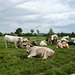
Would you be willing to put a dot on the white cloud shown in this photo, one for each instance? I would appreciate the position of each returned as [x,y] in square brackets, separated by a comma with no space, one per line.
[33,14]
[44,6]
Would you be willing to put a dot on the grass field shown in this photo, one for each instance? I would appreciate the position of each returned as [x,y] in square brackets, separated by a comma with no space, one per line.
[15,62]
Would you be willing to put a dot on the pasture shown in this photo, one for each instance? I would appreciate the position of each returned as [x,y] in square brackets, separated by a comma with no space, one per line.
[14,61]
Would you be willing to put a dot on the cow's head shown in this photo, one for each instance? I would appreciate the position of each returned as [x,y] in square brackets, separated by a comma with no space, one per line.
[28,46]
[20,39]
[52,37]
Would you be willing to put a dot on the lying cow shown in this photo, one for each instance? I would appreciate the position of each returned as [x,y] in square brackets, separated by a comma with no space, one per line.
[39,51]
[22,45]
[62,44]
[34,43]
[13,39]
[65,37]
[43,43]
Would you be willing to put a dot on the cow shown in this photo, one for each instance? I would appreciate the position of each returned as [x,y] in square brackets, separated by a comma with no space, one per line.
[62,44]
[25,39]
[13,39]
[43,52]
[65,44]
[64,38]
[22,44]
[34,43]
[72,38]
[71,43]
[54,39]
[43,43]
[59,44]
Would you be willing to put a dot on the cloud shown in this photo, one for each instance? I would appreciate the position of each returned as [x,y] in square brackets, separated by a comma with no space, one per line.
[37,14]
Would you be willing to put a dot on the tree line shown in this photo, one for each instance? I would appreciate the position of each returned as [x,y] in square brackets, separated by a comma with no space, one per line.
[18,32]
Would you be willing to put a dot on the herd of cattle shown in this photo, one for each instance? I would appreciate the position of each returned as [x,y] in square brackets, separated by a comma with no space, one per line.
[34,50]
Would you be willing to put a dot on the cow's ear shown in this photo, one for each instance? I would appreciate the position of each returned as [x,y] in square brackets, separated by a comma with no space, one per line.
[31,45]
[24,45]
[19,39]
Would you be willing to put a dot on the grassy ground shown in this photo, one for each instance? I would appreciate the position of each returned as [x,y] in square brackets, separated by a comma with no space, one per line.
[15,62]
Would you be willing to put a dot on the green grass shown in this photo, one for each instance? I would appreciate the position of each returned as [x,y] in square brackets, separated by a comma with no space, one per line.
[15,62]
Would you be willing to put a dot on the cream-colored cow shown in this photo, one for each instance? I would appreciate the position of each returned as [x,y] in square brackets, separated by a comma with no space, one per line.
[12,39]
[39,51]
[43,43]
[63,44]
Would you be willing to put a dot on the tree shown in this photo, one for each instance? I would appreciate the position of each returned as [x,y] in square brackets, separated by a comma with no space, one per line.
[50,32]
[1,34]
[32,31]
[18,31]
[37,31]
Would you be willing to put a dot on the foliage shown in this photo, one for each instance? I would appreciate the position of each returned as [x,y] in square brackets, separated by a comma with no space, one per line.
[50,32]
[1,34]
[65,34]
[32,30]
[38,31]
[18,31]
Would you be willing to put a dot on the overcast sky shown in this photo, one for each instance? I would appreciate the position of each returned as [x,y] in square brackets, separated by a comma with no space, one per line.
[37,14]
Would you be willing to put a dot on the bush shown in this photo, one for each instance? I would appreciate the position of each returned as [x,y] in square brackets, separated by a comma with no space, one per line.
[1,34]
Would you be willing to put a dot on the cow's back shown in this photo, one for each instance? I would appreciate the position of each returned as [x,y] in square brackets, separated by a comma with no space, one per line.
[9,38]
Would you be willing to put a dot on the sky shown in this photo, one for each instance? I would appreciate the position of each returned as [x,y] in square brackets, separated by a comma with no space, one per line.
[37,14]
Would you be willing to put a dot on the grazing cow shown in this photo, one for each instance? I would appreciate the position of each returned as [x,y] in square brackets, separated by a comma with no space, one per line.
[13,39]
[25,39]
[39,51]
[43,43]
[54,39]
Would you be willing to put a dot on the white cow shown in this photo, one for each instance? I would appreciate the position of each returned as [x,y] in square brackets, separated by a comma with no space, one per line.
[65,37]
[39,51]
[43,43]
[13,39]
[72,38]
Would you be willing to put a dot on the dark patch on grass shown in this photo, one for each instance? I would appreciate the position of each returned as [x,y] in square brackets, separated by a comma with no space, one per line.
[1,57]
[23,57]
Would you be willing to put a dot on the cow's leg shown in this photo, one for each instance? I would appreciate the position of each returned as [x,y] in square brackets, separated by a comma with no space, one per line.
[45,56]
[6,43]
[31,55]
[16,44]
